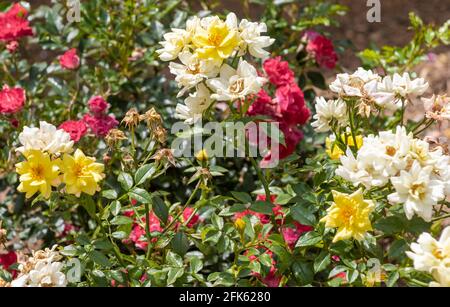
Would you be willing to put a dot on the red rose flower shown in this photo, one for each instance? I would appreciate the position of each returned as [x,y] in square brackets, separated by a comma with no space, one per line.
[98,105]
[278,71]
[292,104]
[76,128]
[322,49]
[7,260]
[13,24]
[11,100]
[194,220]
[100,125]
[70,59]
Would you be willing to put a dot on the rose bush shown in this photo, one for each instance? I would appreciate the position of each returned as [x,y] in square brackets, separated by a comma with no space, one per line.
[93,194]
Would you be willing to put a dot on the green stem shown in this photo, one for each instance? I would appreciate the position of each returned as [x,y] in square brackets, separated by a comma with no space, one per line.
[147,229]
[261,178]
[184,207]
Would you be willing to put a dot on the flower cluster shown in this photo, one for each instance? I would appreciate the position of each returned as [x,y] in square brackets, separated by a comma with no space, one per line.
[42,269]
[49,162]
[203,49]
[288,107]
[98,121]
[433,256]
[420,176]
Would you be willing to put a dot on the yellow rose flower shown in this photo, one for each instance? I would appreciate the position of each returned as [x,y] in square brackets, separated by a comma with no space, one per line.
[333,150]
[81,173]
[350,215]
[37,174]
[215,41]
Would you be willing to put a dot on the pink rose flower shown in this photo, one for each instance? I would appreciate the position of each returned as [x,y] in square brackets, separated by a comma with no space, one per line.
[98,105]
[70,59]
[13,24]
[12,46]
[11,100]
[100,125]
[76,128]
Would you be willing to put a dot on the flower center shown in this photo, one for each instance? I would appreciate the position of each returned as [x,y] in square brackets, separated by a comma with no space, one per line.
[390,151]
[237,86]
[37,172]
[217,34]
[347,213]
[78,170]
[194,69]
[418,190]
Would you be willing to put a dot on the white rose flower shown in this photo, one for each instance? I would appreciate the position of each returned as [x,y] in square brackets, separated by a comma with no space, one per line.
[441,275]
[354,84]
[417,191]
[192,70]
[236,84]
[326,112]
[47,275]
[175,41]
[45,138]
[428,252]
[393,92]
[194,105]
[250,33]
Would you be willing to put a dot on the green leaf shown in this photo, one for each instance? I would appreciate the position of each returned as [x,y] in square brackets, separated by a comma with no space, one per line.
[140,195]
[196,264]
[389,225]
[322,261]
[309,239]
[115,207]
[109,194]
[397,249]
[89,205]
[125,180]
[174,274]
[180,243]
[121,220]
[143,173]
[262,207]
[303,272]
[317,79]
[242,197]
[174,259]
[303,214]
[160,209]
[99,258]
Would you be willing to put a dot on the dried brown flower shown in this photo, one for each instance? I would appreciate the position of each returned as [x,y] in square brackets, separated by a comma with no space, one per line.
[131,118]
